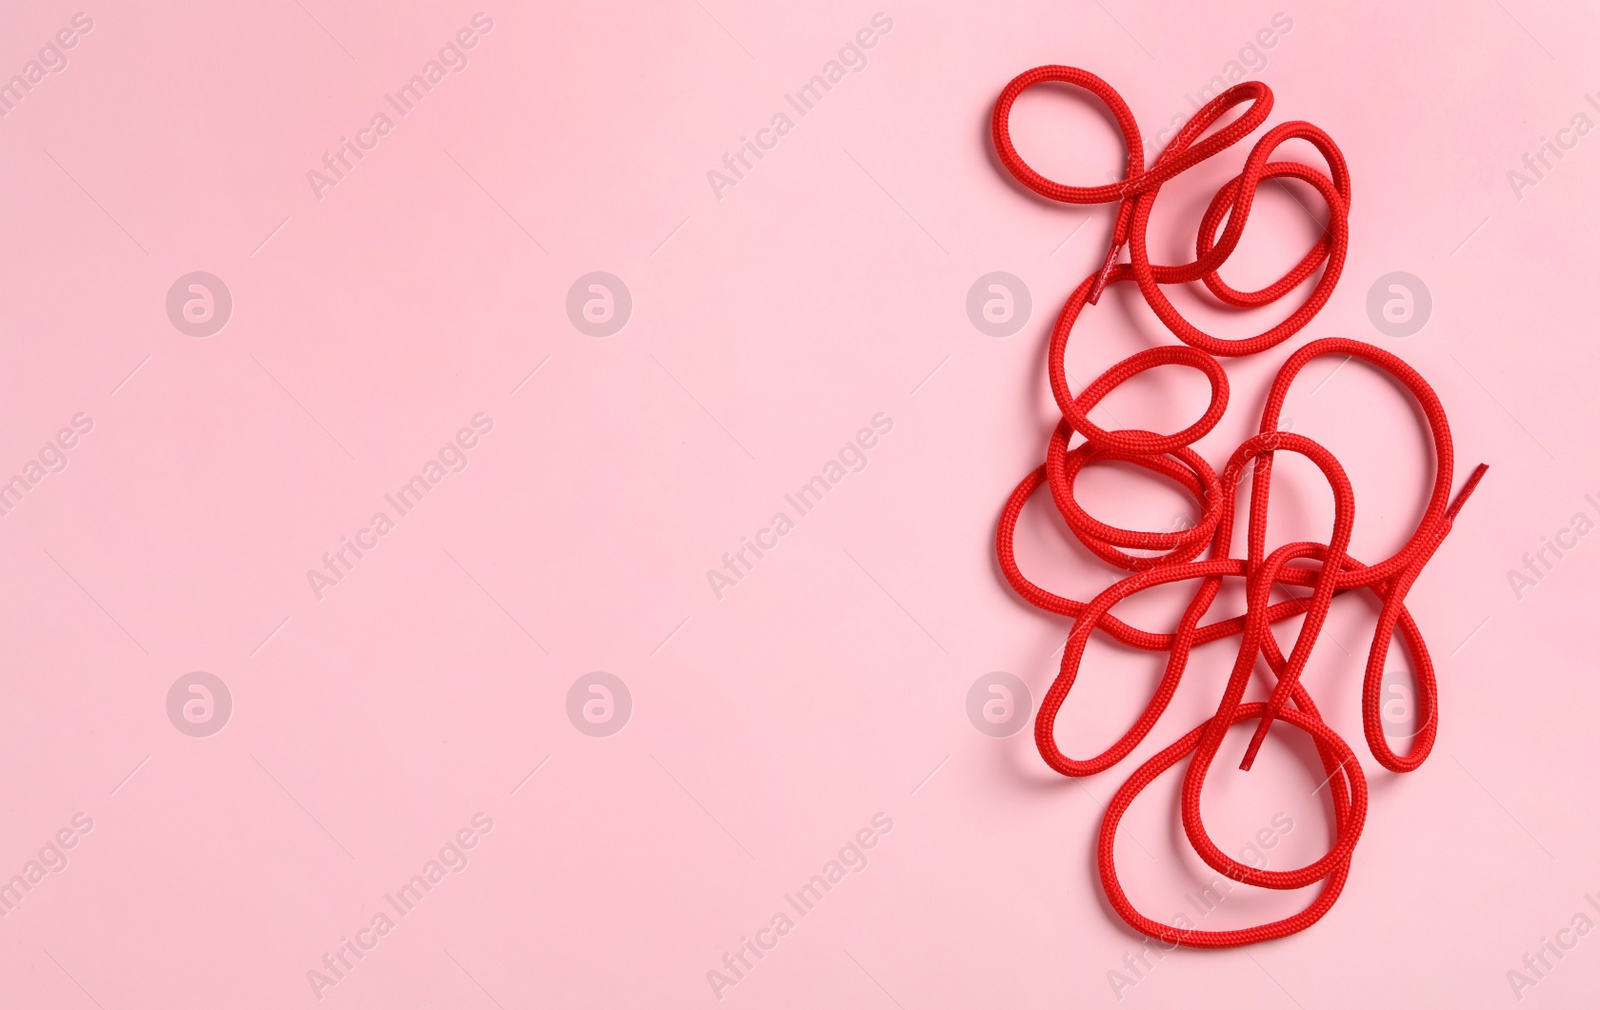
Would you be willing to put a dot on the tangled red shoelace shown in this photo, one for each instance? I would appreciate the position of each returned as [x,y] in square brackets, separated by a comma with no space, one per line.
[1325,568]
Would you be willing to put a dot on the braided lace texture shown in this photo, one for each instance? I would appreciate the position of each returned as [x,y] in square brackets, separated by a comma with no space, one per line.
[1325,568]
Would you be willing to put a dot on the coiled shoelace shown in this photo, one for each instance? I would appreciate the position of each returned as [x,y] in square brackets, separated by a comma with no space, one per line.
[1325,568]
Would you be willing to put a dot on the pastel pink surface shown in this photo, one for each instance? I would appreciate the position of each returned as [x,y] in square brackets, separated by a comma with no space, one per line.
[771,320]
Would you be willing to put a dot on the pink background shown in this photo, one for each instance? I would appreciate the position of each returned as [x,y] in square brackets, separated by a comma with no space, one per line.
[767,326]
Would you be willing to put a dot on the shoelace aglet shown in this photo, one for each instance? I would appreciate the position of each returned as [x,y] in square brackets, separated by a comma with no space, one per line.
[1257,740]
[1465,492]
[1104,276]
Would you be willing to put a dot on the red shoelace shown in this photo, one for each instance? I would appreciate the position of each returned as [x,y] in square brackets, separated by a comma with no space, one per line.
[1325,568]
